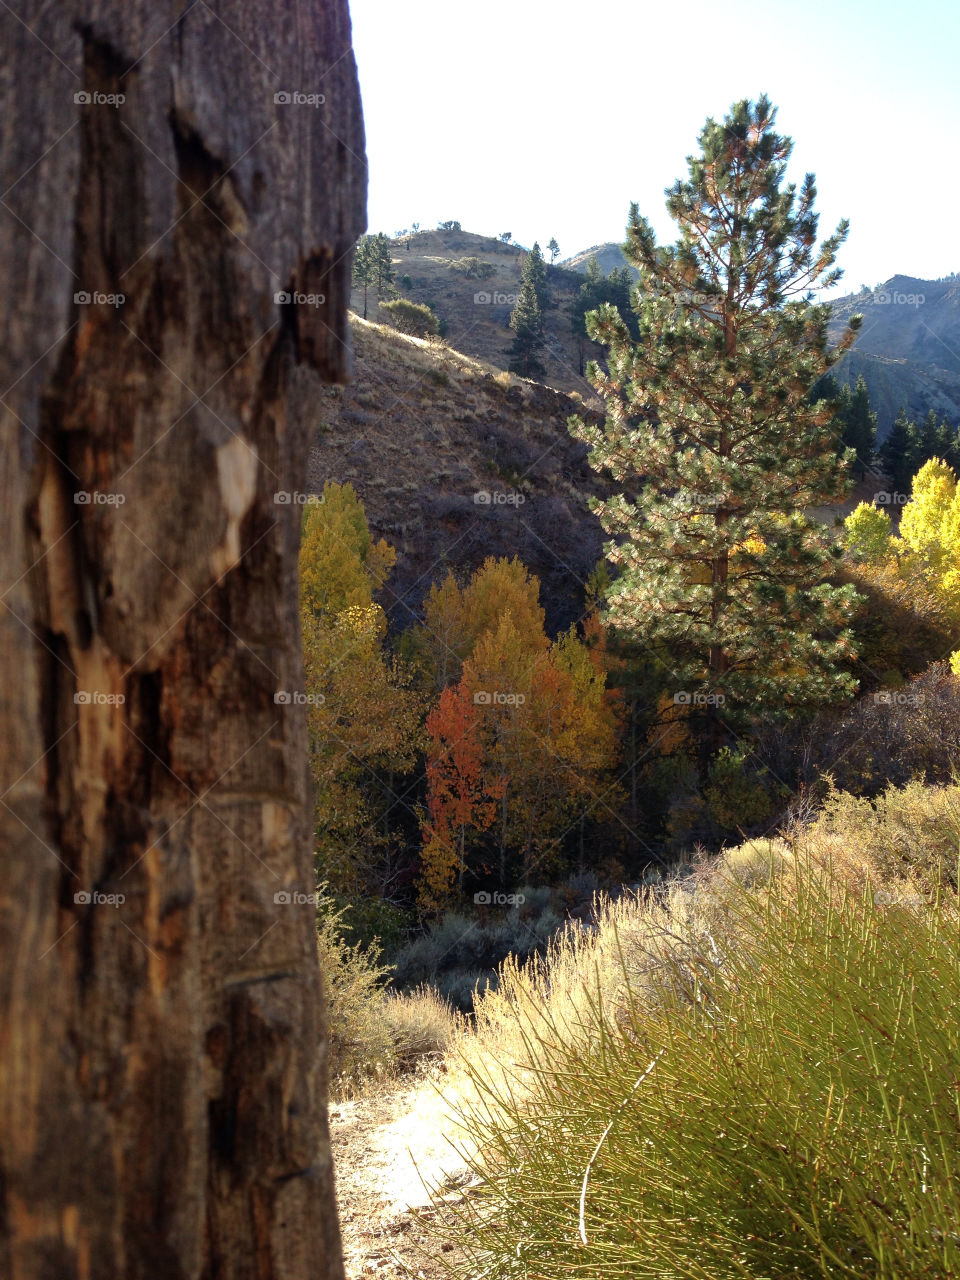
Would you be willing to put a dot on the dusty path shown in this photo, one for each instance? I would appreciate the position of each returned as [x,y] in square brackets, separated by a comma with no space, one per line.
[385,1146]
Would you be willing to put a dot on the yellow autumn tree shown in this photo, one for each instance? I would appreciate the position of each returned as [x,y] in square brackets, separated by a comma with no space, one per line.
[930,528]
[868,534]
[456,617]
[364,717]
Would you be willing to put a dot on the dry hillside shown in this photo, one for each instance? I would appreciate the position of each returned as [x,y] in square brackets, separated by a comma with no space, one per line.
[423,432]
[476,325]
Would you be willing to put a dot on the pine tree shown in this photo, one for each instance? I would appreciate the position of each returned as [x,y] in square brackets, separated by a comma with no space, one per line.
[896,453]
[363,268]
[860,427]
[553,248]
[526,321]
[718,565]
[534,271]
[927,442]
[382,263]
[947,446]
[595,290]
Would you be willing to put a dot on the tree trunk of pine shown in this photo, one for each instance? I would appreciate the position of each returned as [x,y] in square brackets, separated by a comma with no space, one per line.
[162,1084]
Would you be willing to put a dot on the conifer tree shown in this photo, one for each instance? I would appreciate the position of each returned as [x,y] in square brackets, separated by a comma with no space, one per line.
[363,268]
[927,442]
[896,453]
[947,444]
[382,263]
[534,271]
[553,248]
[718,566]
[597,289]
[526,321]
[860,427]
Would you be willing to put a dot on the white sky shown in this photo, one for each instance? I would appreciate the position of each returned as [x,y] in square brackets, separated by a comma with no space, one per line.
[543,119]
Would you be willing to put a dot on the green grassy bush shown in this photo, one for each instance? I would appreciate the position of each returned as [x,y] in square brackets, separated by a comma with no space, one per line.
[769,1088]
[410,317]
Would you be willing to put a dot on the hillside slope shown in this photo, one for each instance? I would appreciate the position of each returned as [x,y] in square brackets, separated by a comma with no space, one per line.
[610,257]
[908,349]
[426,434]
[477,310]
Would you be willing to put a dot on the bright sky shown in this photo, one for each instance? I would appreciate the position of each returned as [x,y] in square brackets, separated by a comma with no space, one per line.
[547,120]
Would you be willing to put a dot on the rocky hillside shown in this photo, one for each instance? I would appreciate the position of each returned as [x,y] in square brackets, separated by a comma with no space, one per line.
[456,460]
[430,268]
[908,349]
[610,256]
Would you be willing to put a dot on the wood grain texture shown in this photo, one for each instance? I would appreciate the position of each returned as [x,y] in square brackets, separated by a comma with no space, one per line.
[162,1080]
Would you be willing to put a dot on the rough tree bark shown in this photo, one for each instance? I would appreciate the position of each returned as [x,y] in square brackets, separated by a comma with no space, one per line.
[162,1081]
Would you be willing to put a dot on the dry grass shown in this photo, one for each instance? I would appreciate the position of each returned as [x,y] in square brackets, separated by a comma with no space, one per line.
[616,962]
[795,1004]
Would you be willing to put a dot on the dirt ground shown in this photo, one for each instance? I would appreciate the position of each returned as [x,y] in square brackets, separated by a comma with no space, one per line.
[388,1148]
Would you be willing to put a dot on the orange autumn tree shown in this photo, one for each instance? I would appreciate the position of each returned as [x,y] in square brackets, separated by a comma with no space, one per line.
[459,798]
[537,732]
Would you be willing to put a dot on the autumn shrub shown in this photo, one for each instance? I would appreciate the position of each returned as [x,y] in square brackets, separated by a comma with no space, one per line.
[420,1023]
[374,1032]
[901,624]
[892,735]
[752,1073]
[359,1037]
[408,317]
[910,833]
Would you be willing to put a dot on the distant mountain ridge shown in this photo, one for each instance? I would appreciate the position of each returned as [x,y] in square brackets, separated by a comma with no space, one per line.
[610,256]
[908,348]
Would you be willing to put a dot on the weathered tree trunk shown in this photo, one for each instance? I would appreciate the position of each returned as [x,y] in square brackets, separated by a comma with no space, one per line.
[162,1079]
